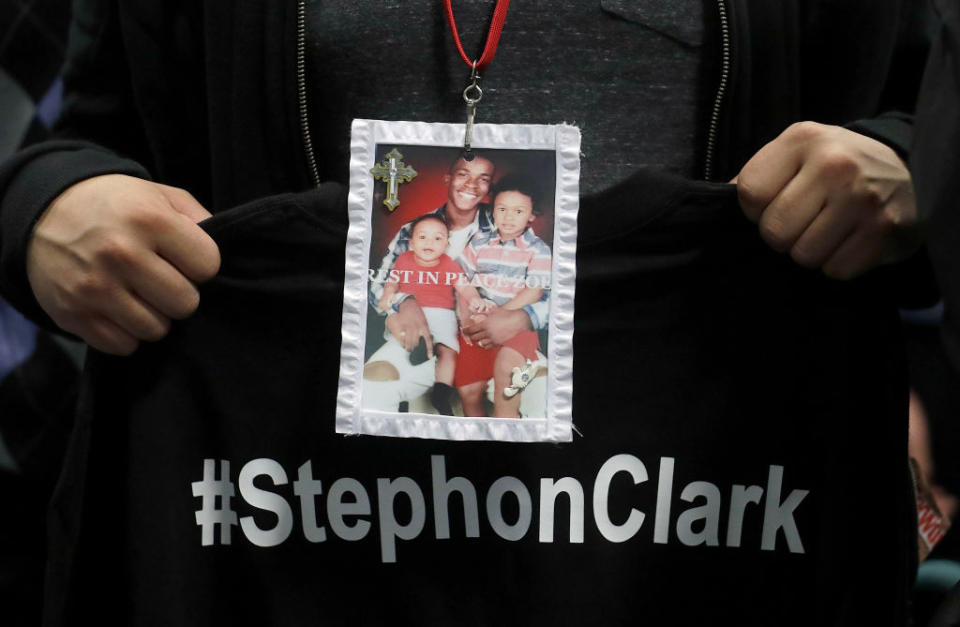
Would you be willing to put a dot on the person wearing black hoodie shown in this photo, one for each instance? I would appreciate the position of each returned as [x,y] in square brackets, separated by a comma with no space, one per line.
[176,111]
[217,110]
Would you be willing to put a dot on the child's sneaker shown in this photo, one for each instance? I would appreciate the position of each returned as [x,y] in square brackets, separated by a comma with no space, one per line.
[522,376]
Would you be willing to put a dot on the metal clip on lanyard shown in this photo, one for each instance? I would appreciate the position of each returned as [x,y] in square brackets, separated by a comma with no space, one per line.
[473,93]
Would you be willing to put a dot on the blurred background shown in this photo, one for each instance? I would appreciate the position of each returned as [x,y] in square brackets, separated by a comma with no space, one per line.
[38,372]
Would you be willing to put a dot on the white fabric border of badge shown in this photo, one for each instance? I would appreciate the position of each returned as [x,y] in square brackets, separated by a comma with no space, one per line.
[351,417]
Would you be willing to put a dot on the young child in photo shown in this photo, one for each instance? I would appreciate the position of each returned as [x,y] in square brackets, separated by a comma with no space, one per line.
[510,269]
[428,274]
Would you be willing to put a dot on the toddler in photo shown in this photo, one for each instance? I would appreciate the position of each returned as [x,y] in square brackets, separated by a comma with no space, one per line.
[509,268]
[427,273]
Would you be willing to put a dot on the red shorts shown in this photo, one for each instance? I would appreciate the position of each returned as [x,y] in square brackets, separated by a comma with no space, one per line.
[476,364]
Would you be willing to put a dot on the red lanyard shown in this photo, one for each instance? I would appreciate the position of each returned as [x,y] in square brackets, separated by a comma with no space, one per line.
[493,36]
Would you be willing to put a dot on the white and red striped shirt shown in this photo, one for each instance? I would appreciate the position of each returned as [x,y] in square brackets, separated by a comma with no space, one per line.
[501,270]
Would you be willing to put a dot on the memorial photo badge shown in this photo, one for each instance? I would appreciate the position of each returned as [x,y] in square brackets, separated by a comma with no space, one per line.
[459,282]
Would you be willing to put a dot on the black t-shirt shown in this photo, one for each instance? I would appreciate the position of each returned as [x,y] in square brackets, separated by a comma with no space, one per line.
[741,457]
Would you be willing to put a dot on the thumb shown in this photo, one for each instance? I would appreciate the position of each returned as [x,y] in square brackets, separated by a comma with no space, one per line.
[183,202]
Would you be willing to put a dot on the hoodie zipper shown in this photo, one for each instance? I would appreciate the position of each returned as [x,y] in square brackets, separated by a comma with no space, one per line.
[302,92]
[712,129]
[721,93]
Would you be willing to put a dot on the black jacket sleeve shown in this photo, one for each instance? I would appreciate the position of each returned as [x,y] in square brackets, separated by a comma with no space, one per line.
[936,166]
[893,128]
[99,132]
[914,34]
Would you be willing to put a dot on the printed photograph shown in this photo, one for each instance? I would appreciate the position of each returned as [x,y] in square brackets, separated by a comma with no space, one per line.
[459,282]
